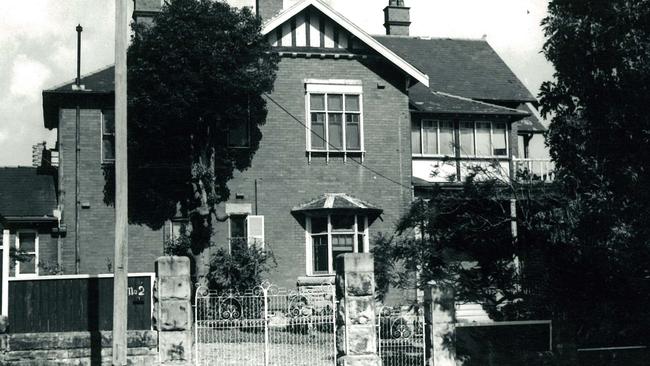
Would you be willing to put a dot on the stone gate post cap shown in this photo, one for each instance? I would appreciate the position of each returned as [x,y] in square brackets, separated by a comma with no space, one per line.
[172,266]
[355,262]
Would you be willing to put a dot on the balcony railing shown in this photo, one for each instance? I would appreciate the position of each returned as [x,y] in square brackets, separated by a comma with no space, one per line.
[535,169]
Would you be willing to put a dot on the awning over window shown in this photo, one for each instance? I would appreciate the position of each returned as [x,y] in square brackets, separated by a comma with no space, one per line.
[337,202]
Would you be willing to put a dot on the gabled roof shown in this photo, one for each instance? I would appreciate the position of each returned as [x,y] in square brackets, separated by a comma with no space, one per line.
[337,201]
[532,123]
[100,81]
[371,42]
[27,192]
[467,68]
[425,100]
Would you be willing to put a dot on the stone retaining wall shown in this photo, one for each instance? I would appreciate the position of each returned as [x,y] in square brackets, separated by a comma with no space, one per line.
[75,348]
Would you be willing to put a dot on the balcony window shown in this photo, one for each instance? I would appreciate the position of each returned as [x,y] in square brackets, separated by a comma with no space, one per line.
[476,138]
[431,137]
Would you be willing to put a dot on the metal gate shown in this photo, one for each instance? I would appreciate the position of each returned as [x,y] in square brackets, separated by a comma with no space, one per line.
[265,326]
[400,337]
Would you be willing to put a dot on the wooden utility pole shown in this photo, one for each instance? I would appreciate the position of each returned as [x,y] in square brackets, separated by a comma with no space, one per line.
[120,266]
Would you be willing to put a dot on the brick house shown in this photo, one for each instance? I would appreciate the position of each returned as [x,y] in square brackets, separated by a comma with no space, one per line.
[356,125]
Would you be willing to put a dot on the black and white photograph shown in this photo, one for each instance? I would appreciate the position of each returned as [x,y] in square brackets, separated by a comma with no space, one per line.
[325,182]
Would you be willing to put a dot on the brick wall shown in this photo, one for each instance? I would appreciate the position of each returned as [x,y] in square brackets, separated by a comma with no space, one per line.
[97,222]
[286,179]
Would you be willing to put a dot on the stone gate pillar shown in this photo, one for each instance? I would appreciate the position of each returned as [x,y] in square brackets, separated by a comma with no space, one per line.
[439,320]
[173,310]
[356,335]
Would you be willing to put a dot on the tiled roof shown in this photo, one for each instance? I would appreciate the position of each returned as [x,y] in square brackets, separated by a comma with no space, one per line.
[468,68]
[532,123]
[425,100]
[26,191]
[101,81]
[336,201]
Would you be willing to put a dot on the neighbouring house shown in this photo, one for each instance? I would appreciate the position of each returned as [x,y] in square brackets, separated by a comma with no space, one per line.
[357,126]
[29,218]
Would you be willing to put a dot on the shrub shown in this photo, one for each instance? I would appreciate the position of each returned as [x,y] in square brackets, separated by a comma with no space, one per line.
[241,269]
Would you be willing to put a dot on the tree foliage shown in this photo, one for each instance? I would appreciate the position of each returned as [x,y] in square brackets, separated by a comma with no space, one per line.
[198,71]
[598,138]
[242,268]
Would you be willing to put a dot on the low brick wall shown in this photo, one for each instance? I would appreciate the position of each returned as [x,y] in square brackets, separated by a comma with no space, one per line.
[75,348]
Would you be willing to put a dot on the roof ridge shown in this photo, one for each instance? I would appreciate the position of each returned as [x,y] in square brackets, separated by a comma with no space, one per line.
[480,102]
[433,38]
[92,73]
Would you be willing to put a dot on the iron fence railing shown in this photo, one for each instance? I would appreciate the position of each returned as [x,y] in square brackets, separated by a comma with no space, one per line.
[265,326]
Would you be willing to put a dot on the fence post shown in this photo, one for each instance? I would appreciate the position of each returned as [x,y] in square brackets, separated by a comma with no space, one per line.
[356,337]
[173,310]
[439,320]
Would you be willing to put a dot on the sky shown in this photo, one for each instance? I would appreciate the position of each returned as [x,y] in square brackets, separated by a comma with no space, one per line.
[38,48]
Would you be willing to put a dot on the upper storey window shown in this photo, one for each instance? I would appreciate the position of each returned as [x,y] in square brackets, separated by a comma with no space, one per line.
[430,137]
[335,117]
[108,136]
[483,139]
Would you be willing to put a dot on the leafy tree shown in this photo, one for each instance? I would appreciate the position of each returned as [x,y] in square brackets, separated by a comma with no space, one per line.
[598,138]
[199,71]
[463,237]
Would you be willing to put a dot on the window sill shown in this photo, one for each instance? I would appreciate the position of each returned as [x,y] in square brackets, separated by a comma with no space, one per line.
[336,153]
[316,280]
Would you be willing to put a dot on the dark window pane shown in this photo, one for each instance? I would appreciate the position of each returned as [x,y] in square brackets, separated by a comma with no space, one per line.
[319,225]
[447,138]
[352,103]
[319,251]
[429,137]
[237,226]
[336,130]
[317,102]
[28,242]
[467,138]
[359,243]
[108,148]
[238,135]
[342,244]
[108,124]
[483,139]
[342,223]
[334,102]
[352,132]
[28,266]
[499,139]
[318,130]
[416,144]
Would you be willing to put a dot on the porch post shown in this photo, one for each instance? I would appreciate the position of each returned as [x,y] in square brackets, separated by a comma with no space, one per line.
[356,335]
[439,319]
[6,247]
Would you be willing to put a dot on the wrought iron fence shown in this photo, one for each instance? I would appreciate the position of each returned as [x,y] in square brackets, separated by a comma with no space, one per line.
[400,337]
[266,325]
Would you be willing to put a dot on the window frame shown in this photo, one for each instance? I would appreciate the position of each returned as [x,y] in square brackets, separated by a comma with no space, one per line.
[230,222]
[35,252]
[437,123]
[329,87]
[458,145]
[103,136]
[309,257]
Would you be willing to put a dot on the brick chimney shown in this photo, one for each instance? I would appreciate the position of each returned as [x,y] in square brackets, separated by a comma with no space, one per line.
[397,18]
[267,9]
[145,10]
